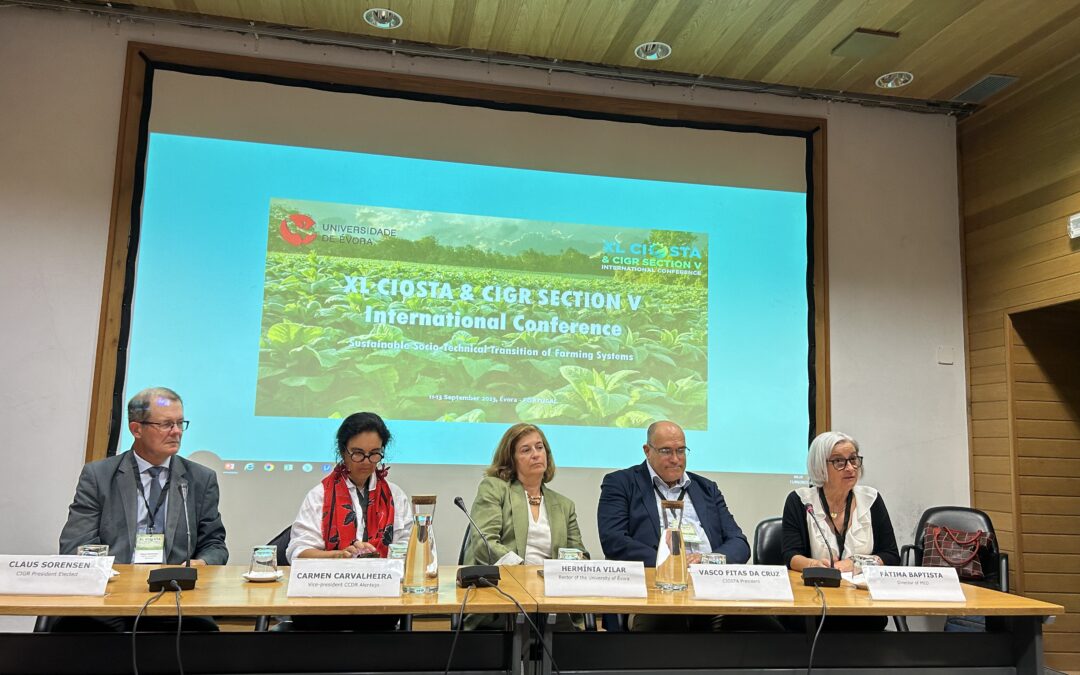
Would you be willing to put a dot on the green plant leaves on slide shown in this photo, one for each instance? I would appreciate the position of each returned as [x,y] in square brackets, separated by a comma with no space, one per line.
[321,355]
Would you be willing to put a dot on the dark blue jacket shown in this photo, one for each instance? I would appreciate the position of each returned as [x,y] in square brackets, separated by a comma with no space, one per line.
[629,521]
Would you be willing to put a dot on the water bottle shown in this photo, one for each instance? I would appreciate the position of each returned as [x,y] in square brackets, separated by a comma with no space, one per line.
[421,561]
[671,572]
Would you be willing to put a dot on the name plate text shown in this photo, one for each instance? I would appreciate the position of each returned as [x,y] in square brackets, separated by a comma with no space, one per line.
[609,578]
[347,578]
[54,574]
[741,582]
[932,584]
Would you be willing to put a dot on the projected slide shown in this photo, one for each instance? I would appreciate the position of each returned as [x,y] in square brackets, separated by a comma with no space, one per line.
[281,288]
[451,317]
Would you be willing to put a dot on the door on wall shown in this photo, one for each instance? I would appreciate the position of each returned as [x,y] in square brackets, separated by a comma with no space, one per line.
[1044,401]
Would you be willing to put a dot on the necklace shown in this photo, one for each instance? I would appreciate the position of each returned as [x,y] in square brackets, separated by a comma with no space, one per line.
[534,501]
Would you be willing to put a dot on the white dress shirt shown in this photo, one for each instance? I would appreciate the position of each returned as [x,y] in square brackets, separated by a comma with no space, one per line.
[307,529]
[538,543]
[689,514]
[142,522]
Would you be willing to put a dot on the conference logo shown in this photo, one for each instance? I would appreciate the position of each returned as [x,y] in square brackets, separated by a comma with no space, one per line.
[648,249]
[297,229]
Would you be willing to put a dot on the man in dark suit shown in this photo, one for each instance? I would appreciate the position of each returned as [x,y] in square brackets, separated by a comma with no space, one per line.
[628,515]
[139,495]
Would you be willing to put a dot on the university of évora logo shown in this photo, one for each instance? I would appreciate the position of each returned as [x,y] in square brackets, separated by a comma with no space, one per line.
[297,229]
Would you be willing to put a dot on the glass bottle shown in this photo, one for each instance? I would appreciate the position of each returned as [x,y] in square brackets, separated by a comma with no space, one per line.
[671,572]
[421,561]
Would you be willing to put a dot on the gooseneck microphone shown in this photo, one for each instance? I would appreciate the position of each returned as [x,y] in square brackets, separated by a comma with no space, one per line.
[471,575]
[821,576]
[183,577]
[187,522]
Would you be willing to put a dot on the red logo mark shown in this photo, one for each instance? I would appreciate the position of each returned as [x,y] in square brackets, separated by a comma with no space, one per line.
[294,229]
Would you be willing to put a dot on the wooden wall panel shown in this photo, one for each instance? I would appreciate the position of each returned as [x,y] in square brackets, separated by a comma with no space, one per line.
[1020,176]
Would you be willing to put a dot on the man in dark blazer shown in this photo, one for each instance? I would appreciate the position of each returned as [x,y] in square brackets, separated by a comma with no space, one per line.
[628,517]
[628,514]
[116,498]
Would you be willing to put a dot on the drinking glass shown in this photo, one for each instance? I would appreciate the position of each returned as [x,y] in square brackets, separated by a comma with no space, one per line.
[860,562]
[571,554]
[263,562]
[95,550]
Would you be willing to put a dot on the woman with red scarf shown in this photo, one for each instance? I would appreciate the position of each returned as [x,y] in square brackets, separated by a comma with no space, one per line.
[354,512]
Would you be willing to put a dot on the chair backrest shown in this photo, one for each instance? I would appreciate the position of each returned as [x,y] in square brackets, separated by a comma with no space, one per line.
[464,545]
[281,541]
[955,518]
[969,520]
[768,549]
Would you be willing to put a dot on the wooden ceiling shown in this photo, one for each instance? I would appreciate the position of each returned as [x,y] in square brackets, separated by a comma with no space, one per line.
[947,44]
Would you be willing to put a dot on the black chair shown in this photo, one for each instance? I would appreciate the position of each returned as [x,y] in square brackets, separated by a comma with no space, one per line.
[281,541]
[464,545]
[768,542]
[995,562]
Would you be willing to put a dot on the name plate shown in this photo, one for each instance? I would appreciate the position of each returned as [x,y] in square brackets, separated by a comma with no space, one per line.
[932,584]
[347,578]
[54,574]
[610,578]
[741,582]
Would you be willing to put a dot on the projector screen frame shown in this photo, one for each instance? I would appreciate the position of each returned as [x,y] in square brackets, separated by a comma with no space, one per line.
[107,404]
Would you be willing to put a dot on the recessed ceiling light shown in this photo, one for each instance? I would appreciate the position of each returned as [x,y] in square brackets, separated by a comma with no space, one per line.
[900,78]
[652,51]
[386,19]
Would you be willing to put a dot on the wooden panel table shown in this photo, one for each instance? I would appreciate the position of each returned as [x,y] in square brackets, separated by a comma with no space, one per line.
[222,591]
[1017,648]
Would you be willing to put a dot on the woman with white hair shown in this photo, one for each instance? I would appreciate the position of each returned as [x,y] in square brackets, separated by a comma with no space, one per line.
[851,518]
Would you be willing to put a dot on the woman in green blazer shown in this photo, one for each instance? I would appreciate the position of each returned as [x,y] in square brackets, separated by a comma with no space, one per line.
[524,521]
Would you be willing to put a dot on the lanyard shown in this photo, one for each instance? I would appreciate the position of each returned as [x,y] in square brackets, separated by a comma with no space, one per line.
[841,536]
[663,498]
[151,513]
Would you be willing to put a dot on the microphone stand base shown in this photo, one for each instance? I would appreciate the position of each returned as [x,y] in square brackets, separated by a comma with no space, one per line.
[828,577]
[472,574]
[162,578]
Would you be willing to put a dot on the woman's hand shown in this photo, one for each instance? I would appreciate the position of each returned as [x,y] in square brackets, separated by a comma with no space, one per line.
[845,565]
[356,549]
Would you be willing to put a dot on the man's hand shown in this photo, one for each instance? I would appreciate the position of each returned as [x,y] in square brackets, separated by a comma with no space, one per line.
[693,559]
[195,562]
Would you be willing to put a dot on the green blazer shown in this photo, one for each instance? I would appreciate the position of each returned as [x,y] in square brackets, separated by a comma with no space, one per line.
[501,511]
